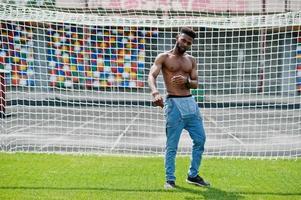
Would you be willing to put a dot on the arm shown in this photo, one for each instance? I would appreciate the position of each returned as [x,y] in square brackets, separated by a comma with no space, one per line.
[154,72]
[192,80]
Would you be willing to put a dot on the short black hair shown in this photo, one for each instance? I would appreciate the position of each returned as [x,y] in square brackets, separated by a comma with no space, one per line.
[188,31]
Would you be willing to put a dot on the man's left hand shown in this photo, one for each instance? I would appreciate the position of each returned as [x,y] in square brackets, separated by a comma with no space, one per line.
[179,80]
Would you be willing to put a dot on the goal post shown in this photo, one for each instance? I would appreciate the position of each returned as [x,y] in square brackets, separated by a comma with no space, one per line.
[2,92]
[77,78]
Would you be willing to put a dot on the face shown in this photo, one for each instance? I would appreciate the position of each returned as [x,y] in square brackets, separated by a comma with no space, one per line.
[183,43]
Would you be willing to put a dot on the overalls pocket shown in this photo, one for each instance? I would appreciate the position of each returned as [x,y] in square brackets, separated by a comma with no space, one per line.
[187,107]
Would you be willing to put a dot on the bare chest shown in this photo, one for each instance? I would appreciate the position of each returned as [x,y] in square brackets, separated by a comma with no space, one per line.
[178,64]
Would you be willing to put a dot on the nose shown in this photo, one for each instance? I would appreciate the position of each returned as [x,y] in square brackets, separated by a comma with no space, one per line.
[184,45]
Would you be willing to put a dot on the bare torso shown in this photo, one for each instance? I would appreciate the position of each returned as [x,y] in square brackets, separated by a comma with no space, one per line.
[174,65]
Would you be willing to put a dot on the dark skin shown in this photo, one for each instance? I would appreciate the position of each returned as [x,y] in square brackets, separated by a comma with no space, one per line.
[179,70]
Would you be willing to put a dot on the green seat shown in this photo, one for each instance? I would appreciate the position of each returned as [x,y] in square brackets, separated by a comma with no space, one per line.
[198,94]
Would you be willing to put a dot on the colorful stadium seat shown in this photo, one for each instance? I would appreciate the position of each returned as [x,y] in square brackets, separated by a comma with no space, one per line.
[16,54]
[96,57]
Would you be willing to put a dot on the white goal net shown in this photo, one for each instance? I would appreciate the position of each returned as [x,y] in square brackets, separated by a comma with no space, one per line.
[74,75]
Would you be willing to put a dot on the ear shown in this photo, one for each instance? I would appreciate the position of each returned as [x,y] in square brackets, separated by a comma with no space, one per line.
[177,37]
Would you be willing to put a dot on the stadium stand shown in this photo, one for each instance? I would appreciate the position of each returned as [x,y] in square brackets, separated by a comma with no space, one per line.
[17,53]
[94,57]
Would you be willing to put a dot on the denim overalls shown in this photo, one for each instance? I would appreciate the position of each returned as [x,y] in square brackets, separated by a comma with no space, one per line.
[183,113]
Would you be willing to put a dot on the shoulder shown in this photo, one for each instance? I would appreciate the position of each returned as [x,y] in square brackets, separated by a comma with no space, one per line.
[190,57]
[162,56]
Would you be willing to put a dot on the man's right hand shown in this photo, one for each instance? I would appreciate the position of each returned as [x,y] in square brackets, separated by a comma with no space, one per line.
[157,99]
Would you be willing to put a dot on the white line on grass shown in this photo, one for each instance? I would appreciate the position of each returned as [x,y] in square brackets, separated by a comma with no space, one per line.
[68,132]
[124,132]
[33,125]
[224,130]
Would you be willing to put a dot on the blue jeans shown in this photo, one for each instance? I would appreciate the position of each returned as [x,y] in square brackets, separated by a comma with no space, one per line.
[183,113]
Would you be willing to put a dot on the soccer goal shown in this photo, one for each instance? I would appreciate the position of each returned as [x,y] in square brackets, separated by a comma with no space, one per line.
[74,75]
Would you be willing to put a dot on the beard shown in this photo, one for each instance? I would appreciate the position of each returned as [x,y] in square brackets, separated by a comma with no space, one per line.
[181,50]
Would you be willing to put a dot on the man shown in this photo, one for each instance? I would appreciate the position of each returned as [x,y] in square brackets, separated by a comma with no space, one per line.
[181,111]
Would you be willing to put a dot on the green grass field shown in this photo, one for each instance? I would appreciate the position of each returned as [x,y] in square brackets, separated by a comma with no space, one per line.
[52,176]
